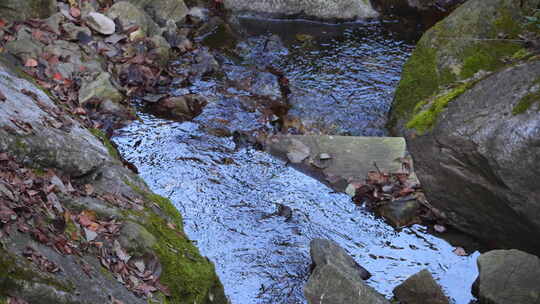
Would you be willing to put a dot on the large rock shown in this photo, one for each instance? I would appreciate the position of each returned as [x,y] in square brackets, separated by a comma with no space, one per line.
[41,137]
[337,279]
[508,277]
[474,136]
[338,160]
[13,10]
[467,41]
[419,289]
[318,9]
[479,163]
[163,10]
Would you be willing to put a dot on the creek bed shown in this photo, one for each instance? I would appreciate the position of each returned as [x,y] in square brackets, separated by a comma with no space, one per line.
[227,195]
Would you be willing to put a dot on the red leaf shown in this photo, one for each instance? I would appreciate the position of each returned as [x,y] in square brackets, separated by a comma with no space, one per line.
[79,111]
[2,22]
[58,76]
[30,63]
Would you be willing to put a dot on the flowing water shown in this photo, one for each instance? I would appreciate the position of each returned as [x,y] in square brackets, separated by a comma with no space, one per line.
[228,195]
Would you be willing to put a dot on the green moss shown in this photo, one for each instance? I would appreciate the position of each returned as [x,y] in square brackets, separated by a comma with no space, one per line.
[106,142]
[418,82]
[526,102]
[190,277]
[488,56]
[425,119]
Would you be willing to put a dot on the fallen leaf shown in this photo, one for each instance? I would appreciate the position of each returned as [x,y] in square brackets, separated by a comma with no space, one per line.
[439,228]
[30,63]
[79,111]
[58,76]
[460,251]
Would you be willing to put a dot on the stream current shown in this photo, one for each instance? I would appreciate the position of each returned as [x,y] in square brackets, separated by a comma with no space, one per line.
[345,76]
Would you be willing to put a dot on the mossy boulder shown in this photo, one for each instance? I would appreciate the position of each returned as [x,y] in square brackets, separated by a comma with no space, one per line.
[468,105]
[41,136]
[478,35]
[14,10]
[479,161]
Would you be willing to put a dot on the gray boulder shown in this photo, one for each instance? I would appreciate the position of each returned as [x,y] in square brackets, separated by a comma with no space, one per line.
[13,10]
[337,278]
[508,277]
[318,9]
[472,125]
[420,288]
[479,164]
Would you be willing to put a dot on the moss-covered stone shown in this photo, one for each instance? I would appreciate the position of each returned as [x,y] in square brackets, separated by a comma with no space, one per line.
[425,119]
[190,277]
[479,35]
[526,102]
[106,142]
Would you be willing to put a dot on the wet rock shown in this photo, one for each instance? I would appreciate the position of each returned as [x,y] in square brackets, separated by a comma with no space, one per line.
[14,10]
[318,9]
[183,107]
[130,15]
[100,23]
[420,288]
[508,277]
[329,252]
[257,83]
[401,212]
[164,10]
[99,87]
[352,157]
[337,278]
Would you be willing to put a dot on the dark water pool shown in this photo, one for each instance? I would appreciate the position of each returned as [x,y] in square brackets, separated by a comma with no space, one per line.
[225,194]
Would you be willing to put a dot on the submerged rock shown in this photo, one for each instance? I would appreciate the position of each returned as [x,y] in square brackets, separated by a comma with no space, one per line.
[401,212]
[318,9]
[474,136]
[508,277]
[419,289]
[183,107]
[337,278]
